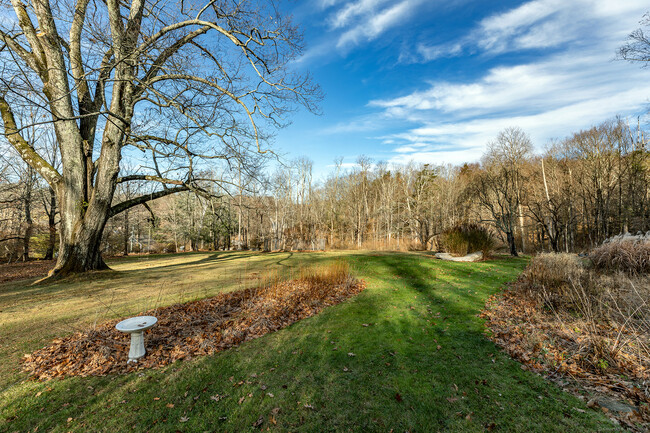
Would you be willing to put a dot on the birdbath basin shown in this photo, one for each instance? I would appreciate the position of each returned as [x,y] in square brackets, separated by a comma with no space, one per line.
[136,327]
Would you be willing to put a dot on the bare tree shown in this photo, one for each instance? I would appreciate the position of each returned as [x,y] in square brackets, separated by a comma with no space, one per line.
[637,46]
[499,186]
[184,83]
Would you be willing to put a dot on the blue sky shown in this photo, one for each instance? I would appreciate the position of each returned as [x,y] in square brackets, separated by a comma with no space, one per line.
[433,81]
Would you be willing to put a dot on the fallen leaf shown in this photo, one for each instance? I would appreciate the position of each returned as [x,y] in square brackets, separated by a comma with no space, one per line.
[398,397]
[106,351]
[259,421]
[170,405]
[184,419]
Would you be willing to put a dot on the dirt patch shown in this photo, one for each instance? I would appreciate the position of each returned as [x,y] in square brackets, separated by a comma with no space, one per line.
[193,329]
[558,346]
[24,270]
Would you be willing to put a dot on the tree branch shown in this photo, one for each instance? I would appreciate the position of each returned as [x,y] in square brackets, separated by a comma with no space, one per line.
[128,204]
[25,149]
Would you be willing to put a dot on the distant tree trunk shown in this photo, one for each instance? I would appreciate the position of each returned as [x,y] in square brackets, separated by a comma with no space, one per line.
[126,232]
[29,224]
[49,254]
[511,243]
[522,229]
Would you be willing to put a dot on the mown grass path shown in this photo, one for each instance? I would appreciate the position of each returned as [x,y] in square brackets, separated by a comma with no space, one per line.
[422,363]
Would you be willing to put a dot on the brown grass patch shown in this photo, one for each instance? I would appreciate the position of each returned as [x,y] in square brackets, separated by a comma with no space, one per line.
[197,328]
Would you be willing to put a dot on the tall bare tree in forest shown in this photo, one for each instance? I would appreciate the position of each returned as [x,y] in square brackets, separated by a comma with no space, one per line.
[185,83]
[499,186]
[419,202]
[551,197]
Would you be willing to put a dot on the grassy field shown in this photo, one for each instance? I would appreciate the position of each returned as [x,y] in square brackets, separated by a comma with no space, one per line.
[407,354]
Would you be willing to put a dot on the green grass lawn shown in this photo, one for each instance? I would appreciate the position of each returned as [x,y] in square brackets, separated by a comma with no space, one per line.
[422,364]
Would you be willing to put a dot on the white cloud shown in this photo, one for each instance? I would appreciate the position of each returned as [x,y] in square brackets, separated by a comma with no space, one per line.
[355,22]
[576,87]
[376,23]
[562,79]
[358,124]
[324,4]
[542,24]
[346,15]
[431,141]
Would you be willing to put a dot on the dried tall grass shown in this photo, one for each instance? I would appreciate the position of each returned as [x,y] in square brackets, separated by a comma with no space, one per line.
[629,256]
[467,238]
[550,276]
[607,313]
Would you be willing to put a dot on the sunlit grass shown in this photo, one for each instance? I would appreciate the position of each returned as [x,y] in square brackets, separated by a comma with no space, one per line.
[408,353]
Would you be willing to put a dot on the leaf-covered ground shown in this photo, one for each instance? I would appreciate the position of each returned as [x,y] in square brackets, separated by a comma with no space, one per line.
[22,270]
[562,346]
[197,328]
[407,354]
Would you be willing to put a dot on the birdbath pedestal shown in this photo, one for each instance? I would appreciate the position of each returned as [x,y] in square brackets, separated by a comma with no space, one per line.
[136,327]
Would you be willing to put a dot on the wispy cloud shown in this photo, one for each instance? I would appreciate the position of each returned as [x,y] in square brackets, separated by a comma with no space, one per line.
[350,24]
[352,10]
[571,88]
[468,136]
[539,24]
[358,124]
[373,24]
[561,79]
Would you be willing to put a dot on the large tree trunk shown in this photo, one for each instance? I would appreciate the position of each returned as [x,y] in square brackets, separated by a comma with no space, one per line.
[79,249]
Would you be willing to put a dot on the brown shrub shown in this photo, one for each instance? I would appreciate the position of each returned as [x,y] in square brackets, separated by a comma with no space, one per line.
[629,256]
[606,315]
[550,275]
[467,238]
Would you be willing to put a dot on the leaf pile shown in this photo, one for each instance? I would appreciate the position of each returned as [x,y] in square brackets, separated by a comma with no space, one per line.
[193,329]
[561,346]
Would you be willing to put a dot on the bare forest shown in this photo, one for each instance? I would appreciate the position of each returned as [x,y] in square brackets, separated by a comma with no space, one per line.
[579,191]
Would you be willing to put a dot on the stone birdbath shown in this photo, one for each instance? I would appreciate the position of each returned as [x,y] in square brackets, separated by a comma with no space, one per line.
[136,327]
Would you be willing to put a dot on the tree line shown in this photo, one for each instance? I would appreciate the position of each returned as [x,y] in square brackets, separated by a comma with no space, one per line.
[577,193]
[148,116]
